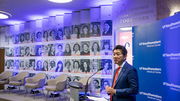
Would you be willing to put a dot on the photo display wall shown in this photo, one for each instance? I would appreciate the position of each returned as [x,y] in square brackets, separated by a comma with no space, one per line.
[77,50]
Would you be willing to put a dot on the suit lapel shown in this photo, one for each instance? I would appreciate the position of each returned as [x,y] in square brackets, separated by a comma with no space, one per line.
[121,73]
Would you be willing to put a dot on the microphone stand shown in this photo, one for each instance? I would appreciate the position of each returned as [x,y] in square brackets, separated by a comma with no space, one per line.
[82,98]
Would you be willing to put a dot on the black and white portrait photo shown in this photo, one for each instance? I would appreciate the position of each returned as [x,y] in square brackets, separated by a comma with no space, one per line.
[76,49]
[104,83]
[106,64]
[32,64]
[38,36]
[76,31]
[11,51]
[107,28]
[85,30]
[59,49]
[38,50]
[67,65]
[45,36]
[45,65]
[22,51]
[67,32]
[22,64]
[106,47]
[59,35]
[26,51]
[85,63]
[22,38]
[59,66]
[32,51]
[67,49]
[95,47]
[52,34]
[76,66]
[16,51]
[85,48]
[52,65]
[26,37]
[95,85]
[95,29]
[51,50]
[45,50]
[7,64]
[38,65]
[95,65]
[16,64]
[16,40]
[26,64]
[33,38]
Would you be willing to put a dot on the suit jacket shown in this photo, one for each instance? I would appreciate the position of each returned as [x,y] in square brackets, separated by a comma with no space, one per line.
[126,85]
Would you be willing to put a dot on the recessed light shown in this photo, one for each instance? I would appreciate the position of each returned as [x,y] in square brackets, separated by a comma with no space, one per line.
[60,1]
[4,15]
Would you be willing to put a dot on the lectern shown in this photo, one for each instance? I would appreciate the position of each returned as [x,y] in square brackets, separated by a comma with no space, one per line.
[74,90]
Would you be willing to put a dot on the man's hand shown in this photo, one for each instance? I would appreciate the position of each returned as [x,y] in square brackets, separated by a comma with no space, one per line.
[110,90]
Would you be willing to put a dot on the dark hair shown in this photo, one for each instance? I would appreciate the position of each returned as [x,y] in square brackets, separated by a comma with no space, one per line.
[51,32]
[67,63]
[122,48]
[37,34]
[75,45]
[84,27]
[78,33]
[44,34]
[74,63]
[69,48]
[93,47]
[109,22]
[59,62]
[88,68]
[107,61]
[85,44]
[105,44]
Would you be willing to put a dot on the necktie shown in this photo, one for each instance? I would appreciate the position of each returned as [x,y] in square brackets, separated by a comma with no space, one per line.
[115,78]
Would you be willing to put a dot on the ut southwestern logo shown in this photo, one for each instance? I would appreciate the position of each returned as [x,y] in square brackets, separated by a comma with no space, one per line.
[150,70]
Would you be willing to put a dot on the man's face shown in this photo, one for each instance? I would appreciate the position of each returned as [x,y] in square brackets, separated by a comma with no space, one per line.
[118,57]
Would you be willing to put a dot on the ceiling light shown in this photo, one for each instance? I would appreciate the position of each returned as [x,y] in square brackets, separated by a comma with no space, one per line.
[60,1]
[4,15]
[126,29]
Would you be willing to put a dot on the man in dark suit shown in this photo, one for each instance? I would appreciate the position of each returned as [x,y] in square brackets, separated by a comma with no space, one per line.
[125,84]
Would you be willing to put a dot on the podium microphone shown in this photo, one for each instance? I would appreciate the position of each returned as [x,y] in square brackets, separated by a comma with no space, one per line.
[82,98]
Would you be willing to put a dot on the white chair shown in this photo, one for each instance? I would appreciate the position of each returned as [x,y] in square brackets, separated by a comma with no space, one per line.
[4,77]
[35,82]
[19,79]
[57,84]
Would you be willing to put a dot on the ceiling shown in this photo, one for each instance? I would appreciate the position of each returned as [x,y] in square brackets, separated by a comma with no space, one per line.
[26,10]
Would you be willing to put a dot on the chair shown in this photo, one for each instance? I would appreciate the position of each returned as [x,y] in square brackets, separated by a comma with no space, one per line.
[35,82]
[83,81]
[57,84]
[4,77]
[19,79]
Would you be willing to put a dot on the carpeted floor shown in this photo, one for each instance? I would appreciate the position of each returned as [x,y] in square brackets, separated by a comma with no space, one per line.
[1,99]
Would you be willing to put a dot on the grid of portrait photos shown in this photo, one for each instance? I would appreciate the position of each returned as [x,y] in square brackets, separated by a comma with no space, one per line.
[76,50]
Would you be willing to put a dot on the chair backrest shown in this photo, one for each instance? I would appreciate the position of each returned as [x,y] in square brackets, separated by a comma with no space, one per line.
[6,74]
[61,77]
[39,76]
[83,81]
[61,82]
[22,75]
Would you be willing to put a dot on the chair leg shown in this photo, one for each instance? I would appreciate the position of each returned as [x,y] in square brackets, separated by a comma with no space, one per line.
[53,97]
[26,91]
[43,92]
[59,96]
[47,95]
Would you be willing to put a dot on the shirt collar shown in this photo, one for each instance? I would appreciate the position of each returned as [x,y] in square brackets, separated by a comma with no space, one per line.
[123,64]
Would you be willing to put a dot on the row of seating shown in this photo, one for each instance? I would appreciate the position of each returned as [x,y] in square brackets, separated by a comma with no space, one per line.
[38,81]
